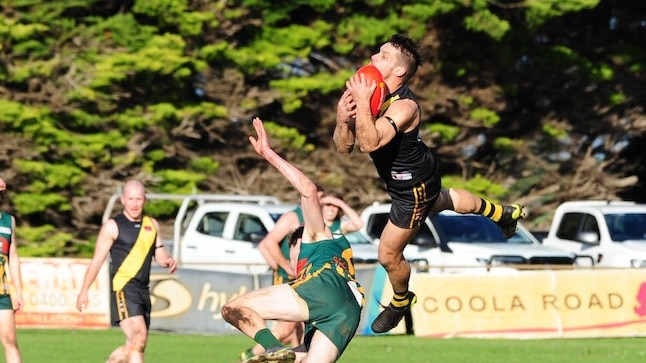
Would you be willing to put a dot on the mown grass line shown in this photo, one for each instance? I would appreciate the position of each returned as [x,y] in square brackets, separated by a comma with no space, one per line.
[88,346]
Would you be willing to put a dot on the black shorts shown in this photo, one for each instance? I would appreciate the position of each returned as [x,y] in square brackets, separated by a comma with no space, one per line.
[411,206]
[129,302]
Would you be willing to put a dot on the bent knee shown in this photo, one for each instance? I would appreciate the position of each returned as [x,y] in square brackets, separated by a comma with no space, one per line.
[390,253]
[229,312]
[137,344]
[390,258]
[390,261]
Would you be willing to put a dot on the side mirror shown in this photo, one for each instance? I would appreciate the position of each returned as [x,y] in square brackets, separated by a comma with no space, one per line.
[424,239]
[419,264]
[591,238]
[256,237]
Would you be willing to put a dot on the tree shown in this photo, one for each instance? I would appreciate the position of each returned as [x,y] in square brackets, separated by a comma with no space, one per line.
[537,101]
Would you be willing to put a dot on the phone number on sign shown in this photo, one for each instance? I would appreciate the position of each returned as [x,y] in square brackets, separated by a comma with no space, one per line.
[58,299]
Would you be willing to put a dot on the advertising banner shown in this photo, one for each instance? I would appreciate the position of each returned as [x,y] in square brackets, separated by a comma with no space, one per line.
[191,300]
[186,301]
[365,276]
[519,304]
[540,304]
[378,294]
[50,287]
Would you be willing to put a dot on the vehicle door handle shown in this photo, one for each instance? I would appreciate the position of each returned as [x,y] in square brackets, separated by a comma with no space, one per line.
[191,247]
[229,251]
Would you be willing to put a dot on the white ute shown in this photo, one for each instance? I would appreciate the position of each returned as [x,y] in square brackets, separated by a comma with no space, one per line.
[611,233]
[452,242]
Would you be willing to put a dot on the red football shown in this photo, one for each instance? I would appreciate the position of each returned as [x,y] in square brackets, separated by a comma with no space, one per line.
[372,73]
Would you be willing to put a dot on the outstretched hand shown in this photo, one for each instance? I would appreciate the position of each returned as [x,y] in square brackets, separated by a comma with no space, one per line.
[261,142]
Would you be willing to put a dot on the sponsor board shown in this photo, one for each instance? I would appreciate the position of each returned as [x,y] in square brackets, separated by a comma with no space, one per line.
[191,300]
[522,304]
[49,289]
[541,304]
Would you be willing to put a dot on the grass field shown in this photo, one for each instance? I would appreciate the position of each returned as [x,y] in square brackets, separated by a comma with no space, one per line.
[89,346]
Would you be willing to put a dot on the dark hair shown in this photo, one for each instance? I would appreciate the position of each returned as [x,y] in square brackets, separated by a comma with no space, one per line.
[338,196]
[295,235]
[410,49]
[335,194]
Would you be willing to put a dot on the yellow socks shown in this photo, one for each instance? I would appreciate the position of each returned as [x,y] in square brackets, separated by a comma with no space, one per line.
[400,300]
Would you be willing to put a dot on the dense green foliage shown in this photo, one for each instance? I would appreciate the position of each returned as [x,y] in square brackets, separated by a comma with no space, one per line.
[93,92]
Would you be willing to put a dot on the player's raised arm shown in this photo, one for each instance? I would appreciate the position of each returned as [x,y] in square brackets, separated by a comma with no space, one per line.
[314,223]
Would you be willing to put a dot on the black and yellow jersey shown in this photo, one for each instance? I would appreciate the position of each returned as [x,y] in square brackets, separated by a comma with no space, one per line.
[132,251]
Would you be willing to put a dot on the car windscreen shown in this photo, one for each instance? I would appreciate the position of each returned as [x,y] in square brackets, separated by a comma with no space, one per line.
[472,228]
[355,238]
[627,226]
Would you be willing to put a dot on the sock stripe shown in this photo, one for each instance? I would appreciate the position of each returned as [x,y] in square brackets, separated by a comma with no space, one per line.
[397,298]
[488,209]
[400,300]
[491,210]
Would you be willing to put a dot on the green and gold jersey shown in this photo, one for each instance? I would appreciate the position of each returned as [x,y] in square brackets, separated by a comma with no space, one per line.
[333,254]
[6,232]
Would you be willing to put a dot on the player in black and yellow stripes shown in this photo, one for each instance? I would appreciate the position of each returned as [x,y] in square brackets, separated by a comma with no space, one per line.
[325,295]
[406,165]
[132,240]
